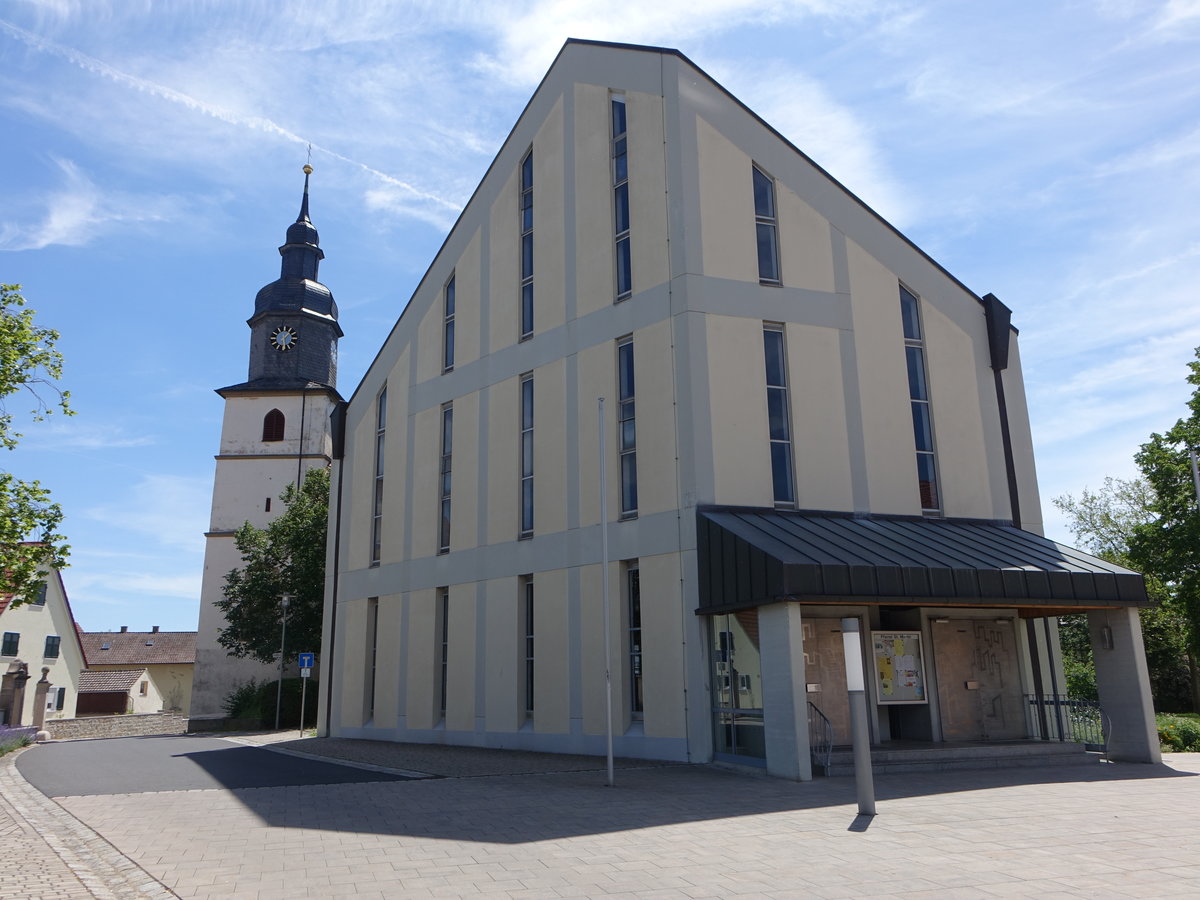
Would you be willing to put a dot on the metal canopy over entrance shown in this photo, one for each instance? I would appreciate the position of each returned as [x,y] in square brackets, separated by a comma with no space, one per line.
[751,557]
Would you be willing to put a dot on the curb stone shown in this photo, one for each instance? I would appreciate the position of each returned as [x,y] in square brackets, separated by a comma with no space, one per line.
[102,870]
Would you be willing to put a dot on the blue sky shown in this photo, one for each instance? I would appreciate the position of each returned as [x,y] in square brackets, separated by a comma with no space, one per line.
[1046,152]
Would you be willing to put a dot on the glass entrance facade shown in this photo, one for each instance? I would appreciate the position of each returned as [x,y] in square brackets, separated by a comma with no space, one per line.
[737,685]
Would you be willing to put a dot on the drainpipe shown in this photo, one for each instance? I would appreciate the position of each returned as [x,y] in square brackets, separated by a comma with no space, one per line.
[337,428]
[999,317]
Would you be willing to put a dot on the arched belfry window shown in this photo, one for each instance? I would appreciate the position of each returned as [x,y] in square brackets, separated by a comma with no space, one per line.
[273,426]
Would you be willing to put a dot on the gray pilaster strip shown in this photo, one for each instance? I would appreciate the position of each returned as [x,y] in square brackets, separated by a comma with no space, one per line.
[575,651]
[569,236]
[485,264]
[841,261]
[480,656]
[481,478]
[572,417]
[402,646]
[860,487]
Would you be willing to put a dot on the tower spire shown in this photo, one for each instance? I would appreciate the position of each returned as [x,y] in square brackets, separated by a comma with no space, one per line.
[303,217]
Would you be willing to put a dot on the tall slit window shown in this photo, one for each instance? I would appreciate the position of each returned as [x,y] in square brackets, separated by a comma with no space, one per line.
[448,326]
[526,455]
[527,246]
[918,392]
[778,419]
[273,426]
[377,506]
[373,620]
[626,428]
[444,483]
[620,176]
[444,649]
[527,608]
[633,586]
[765,227]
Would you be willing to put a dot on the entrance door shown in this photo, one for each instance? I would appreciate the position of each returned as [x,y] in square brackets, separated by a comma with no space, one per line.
[825,670]
[978,680]
[737,685]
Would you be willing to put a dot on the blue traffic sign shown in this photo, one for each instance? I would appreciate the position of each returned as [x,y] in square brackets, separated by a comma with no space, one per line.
[307,659]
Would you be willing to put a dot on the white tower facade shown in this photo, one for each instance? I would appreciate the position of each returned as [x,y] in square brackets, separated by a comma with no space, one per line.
[276,426]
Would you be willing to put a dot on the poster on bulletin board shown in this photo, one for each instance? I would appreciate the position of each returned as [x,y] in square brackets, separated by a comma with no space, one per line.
[899,667]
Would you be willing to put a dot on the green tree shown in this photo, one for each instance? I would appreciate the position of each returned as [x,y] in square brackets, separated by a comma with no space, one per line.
[286,557]
[1169,544]
[29,521]
[1105,522]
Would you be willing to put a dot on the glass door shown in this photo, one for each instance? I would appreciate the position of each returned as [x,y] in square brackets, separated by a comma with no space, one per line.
[737,686]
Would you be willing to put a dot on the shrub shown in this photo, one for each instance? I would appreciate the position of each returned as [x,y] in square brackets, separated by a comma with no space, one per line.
[12,738]
[1179,734]
[243,701]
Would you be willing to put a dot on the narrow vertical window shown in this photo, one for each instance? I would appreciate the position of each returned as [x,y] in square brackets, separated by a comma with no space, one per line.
[527,608]
[527,246]
[377,506]
[526,455]
[444,485]
[626,428]
[764,225]
[620,178]
[444,638]
[448,326]
[778,420]
[39,597]
[918,393]
[633,586]
[373,652]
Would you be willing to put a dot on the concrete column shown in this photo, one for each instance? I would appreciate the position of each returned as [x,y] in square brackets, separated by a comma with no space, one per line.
[785,704]
[1123,682]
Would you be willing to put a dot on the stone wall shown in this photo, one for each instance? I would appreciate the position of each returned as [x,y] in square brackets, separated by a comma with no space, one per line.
[115,726]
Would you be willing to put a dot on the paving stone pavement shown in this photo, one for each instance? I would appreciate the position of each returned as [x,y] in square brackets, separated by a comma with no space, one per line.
[676,831]
[48,854]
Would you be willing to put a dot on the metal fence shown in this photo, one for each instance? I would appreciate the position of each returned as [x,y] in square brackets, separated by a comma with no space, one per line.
[820,738]
[1057,717]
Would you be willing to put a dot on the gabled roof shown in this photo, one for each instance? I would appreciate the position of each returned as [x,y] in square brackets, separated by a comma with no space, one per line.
[750,557]
[120,681]
[142,648]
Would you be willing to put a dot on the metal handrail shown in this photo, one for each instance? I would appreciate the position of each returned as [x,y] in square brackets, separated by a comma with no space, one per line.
[820,737]
[1058,717]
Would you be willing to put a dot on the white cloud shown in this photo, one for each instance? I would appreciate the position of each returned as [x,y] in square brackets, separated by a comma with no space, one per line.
[169,510]
[72,434]
[531,34]
[830,133]
[76,210]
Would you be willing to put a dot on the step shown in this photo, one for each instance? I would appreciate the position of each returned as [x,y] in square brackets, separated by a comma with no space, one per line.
[947,757]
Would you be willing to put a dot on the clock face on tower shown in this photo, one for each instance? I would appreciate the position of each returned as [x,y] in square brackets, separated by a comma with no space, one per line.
[283,338]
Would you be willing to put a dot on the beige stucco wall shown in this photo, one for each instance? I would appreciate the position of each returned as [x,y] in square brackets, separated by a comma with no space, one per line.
[34,624]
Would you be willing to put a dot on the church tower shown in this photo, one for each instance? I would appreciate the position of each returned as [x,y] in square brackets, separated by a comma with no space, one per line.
[276,426]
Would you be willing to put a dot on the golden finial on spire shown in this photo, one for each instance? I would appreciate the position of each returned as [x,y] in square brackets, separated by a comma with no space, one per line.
[307,169]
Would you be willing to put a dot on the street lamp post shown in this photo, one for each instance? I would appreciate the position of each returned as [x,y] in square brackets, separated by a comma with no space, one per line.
[284,601]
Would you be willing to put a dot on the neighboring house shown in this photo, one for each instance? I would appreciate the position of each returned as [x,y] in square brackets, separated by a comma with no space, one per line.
[36,635]
[117,691]
[166,659]
[807,420]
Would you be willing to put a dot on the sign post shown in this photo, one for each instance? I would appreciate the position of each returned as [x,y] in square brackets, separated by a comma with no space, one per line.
[306,667]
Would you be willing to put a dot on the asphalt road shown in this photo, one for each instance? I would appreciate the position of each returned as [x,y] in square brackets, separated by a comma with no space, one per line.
[174,763]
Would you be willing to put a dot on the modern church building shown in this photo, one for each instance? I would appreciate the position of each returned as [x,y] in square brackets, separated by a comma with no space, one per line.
[806,418]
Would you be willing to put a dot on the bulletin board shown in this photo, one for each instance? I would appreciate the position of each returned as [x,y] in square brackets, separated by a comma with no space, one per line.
[899,667]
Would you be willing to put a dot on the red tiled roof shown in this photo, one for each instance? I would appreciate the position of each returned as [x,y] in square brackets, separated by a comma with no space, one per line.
[120,681]
[140,648]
